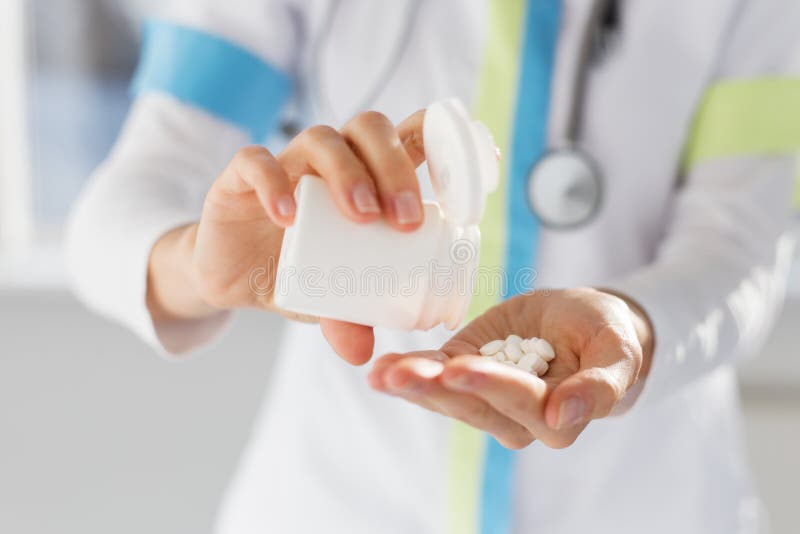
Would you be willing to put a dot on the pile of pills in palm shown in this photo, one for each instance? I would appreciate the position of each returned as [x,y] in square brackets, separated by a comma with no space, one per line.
[532,355]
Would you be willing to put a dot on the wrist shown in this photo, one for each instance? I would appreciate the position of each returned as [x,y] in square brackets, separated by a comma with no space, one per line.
[171,288]
[644,330]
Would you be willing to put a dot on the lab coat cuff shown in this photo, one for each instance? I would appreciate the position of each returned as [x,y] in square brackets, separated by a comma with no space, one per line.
[174,337]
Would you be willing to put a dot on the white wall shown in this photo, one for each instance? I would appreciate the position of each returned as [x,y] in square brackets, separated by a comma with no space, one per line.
[99,436]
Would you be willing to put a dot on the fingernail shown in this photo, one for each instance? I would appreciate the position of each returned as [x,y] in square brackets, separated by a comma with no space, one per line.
[365,200]
[571,413]
[286,206]
[407,208]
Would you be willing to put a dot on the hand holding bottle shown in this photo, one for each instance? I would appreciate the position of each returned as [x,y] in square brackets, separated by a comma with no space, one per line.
[369,166]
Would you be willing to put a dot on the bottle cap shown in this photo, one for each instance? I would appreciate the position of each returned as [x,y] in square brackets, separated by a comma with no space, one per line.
[462,161]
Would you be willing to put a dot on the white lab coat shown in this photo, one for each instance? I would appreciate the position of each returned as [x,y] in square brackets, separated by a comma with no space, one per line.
[327,453]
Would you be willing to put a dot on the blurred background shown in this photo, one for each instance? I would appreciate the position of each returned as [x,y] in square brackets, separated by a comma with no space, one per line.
[97,434]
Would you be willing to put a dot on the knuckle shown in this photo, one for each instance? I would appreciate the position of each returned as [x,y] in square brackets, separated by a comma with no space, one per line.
[250,153]
[515,442]
[318,134]
[252,161]
[370,120]
[561,441]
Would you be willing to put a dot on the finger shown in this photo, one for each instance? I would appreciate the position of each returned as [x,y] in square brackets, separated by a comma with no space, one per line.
[588,394]
[410,133]
[254,169]
[322,151]
[459,347]
[375,140]
[376,375]
[406,390]
[415,379]
[353,342]
[518,395]
[609,367]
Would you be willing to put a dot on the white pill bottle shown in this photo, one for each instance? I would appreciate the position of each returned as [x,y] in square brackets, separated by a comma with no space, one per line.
[372,274]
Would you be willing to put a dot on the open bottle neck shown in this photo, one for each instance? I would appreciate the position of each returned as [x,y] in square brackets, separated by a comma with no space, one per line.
[450,278]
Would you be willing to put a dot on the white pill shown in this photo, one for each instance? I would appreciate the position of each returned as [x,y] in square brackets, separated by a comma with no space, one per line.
[532,344]
[540,367]
[513,352]
[499,356]
[492,347]
[526,362]
[545,350]
[526,345]
[513,339]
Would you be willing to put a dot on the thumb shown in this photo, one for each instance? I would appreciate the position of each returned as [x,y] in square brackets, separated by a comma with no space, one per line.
[410,133]
[588,394]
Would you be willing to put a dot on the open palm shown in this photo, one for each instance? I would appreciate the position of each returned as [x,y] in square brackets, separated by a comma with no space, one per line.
[601,343]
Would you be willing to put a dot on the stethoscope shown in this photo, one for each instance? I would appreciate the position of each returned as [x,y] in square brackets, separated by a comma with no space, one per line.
[565,185]
[321,97]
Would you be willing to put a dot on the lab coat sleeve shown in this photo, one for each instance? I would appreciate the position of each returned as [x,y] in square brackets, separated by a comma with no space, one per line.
[156,176]
[719,276]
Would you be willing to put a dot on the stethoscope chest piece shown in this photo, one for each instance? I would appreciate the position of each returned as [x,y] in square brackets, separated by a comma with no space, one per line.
[564,188]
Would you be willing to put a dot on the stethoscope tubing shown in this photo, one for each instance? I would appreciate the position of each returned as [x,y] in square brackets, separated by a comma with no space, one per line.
[584,57]
[322,97]
[569,138]
[567,146]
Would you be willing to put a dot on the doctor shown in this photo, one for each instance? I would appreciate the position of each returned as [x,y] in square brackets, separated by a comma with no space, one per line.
[648,170]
